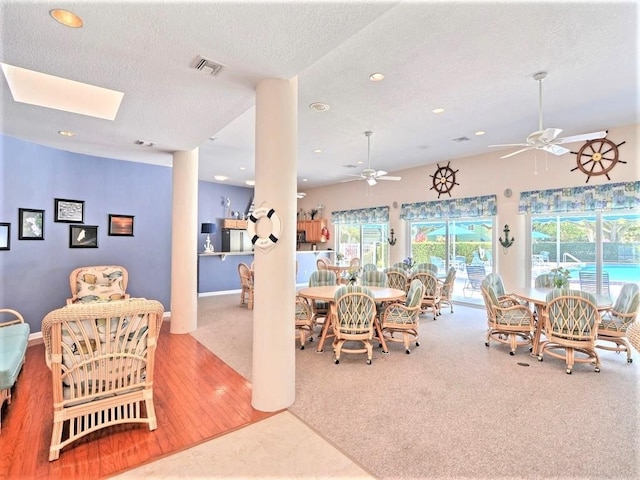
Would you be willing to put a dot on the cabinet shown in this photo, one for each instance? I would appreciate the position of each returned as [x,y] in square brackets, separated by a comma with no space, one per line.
[312,229]
[234,224]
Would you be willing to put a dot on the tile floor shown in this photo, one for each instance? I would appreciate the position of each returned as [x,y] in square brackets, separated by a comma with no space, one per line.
[282,446]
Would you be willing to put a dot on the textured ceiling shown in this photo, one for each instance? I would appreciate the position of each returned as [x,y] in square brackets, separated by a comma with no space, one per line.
[475,59]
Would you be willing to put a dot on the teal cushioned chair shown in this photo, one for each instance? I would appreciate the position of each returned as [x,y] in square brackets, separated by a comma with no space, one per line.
[14,338]
[615,321]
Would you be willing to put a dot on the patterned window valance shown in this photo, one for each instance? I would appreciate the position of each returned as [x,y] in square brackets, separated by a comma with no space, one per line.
[484,206]
[361,216]
[608,196]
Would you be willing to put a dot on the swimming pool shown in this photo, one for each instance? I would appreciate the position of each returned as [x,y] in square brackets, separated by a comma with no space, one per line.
[617,272]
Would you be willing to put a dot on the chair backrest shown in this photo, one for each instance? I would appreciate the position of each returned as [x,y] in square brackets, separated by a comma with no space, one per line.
[245,274]
[355,309]
[588,282]
[396,278]
[572,314]
[496,282]
[438,262]
[414,294]
[544,280]
[120,337]
[430,267]
[374,278]
[369,266]
[449,282]
[489,294]
[628,300]
[475,275]
[321,263]
[98,284]
[321,278]
[354,262]
[303,311]
[401,265]
[429,280]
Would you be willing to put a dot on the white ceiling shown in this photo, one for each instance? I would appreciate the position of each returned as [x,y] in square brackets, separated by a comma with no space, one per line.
[475,59]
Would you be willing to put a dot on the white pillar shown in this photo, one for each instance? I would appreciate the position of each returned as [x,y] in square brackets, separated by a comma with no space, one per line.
[274,283]
[184,241]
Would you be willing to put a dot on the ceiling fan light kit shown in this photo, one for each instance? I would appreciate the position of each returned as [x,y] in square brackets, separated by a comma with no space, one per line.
[547,139]
[369,174]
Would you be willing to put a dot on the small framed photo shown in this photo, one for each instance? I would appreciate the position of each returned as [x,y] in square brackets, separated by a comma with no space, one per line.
[83,236]
[69,211]
[120,225]
[30,224]
[5,236]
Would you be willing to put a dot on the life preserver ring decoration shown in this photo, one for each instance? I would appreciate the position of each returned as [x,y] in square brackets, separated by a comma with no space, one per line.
[264,242]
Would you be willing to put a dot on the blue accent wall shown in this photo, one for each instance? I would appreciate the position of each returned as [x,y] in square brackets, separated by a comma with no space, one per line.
[34,274]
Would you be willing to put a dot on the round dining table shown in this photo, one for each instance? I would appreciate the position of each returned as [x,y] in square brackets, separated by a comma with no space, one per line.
[326,293]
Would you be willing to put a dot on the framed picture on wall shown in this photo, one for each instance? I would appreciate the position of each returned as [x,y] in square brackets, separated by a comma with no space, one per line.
[30,224]
[120,225]
[5,236]
[83,236]
[70,211]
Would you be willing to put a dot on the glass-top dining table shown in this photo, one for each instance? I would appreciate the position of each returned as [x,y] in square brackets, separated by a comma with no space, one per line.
[326,293]
[538,297]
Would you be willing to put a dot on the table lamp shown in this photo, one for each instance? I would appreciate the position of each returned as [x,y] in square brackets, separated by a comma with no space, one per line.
[208,228]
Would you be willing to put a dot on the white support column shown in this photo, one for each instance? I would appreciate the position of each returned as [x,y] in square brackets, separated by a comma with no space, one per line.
[274,284]
[184,238]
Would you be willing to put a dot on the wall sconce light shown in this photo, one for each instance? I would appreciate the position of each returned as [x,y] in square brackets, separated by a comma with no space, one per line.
[507,242]
[208,228]
[392,239]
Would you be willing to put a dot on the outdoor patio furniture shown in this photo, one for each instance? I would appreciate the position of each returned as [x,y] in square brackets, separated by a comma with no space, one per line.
[475,275]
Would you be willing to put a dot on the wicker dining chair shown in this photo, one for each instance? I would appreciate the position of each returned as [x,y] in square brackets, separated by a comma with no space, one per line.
[246,285]
[353,315]
[403,318]
[101,357]
[615,321]
[446,289]
[374,278]
[431,295]
[571,326]
[397,278]
[319,308]
[303,321]
[510,322]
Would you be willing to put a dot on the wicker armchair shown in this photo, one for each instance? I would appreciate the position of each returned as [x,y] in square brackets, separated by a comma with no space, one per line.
[397,278]
[98,284]
[510,322]
[446,289]
[615,321]
[353,315]
[403,318]
[304,321]
[101,357]
[319,308]
[246,285]
[571,326]
[431,296]
[374,278]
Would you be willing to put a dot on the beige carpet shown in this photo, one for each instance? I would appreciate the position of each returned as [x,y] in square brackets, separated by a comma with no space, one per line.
[454,408]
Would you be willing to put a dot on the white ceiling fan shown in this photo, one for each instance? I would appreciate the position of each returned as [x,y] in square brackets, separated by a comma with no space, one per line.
[369,174]
[547,138]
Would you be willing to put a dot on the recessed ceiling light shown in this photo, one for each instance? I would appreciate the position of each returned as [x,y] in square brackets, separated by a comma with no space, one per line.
[220,178]
[305,180]
[438,110]
[317,150]
[243,168]
[319,107]
[480,132]
[66,133]
[360,162]
[213,139]
[301,194]
[376,77]
[250,182]
[66,18]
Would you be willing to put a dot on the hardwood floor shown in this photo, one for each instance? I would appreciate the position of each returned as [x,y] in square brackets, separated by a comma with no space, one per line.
[197,397]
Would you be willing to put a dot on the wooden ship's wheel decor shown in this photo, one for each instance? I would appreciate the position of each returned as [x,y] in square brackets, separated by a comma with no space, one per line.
[597,157]
[444,179]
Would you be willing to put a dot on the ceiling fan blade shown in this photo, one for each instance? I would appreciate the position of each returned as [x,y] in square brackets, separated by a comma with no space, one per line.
[379,173]
[356,177]
[511,145]
[517,151]
[581,138]
[371,181]
[387,177]
[555,149]
[550,134]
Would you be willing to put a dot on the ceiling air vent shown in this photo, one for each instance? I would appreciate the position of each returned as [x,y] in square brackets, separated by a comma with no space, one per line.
[206,65]
[350,165]
[461,139]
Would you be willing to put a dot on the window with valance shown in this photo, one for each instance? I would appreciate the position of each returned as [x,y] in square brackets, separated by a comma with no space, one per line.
[361,216]
[589,198]
[484,206]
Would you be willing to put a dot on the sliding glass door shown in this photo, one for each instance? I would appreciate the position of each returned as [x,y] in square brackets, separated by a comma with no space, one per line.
[368,242]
